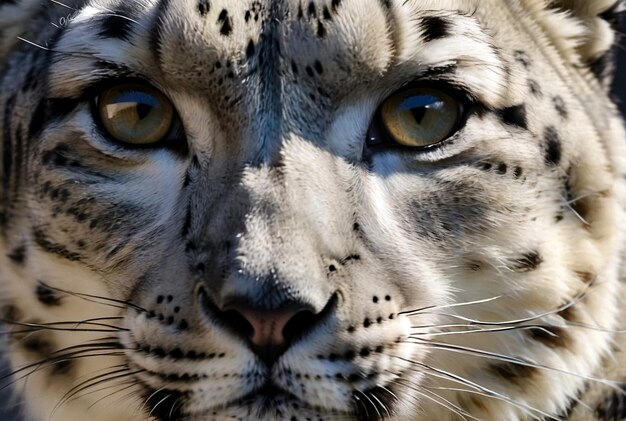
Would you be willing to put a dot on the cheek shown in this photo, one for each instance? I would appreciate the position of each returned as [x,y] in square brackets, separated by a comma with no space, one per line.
[100,214]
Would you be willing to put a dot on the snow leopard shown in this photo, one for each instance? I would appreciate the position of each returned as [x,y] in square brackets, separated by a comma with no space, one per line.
[359,210]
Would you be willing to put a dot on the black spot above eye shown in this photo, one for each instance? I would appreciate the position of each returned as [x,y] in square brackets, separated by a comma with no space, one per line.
[434,28]
[120,23]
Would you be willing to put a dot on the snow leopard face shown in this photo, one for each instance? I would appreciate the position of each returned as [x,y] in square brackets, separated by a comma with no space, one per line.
[330,210]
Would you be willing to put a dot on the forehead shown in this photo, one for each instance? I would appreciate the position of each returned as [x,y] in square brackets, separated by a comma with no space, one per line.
[321,50]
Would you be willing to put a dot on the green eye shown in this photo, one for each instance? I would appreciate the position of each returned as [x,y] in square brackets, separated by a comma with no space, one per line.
[418,117]
[136,114]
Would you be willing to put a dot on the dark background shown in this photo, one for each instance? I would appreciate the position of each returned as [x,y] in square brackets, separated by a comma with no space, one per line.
[9,410]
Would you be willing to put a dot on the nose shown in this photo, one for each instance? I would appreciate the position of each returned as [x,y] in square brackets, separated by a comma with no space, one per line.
[269,331]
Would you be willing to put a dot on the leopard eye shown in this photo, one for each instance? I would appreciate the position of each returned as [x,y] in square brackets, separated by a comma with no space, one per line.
[135,114]
[417,117]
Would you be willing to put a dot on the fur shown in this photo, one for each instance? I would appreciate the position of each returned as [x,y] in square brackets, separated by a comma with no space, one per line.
[480,279]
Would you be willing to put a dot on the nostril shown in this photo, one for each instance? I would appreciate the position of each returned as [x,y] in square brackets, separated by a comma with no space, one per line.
[236,322]
[300,324]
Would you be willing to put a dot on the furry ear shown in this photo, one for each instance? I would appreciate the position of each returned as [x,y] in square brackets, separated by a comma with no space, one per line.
[596,41]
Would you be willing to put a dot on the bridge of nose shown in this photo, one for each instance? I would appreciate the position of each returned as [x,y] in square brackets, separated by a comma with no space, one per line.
[276,253]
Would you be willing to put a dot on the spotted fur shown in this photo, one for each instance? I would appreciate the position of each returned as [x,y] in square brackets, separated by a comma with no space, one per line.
[481,279]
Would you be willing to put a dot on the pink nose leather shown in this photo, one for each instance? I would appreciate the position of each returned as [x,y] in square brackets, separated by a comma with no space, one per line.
[267,326]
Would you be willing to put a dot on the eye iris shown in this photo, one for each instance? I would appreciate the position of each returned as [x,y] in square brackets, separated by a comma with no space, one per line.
[136,114]
[420,117]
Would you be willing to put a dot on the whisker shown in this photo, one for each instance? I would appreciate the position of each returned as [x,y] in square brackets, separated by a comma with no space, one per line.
[78,393]
[130,383]
[477,329]
[437,399]
[435,307]
[124,303]
[514,360]
[443,374]
[76,389]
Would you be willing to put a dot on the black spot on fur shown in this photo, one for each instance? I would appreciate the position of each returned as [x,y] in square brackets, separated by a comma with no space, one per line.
[559,106]
[512,372]
[321,30]
[312,11]
[318,67]
[37,345]
[48,110]
[225,21]
[48,246]
[528,262]
[534,87]
[204,7]
[434,28]
[335,4]
[47,296]
[326,13]
[18,255]
[250,49]
[612,408]
[552,146]
[120,23]
[522,58]
[514,116]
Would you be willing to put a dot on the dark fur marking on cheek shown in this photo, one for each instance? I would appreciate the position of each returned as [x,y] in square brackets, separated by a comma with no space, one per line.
[522,58]
[48,246]
[528,262]
[37,345]
[552,147]
[11,313]
[613,408]
[534,88]
[435,28]
[512,372]
[18,255]
[514,116]
[47,296]
[560,107]
[586,277]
